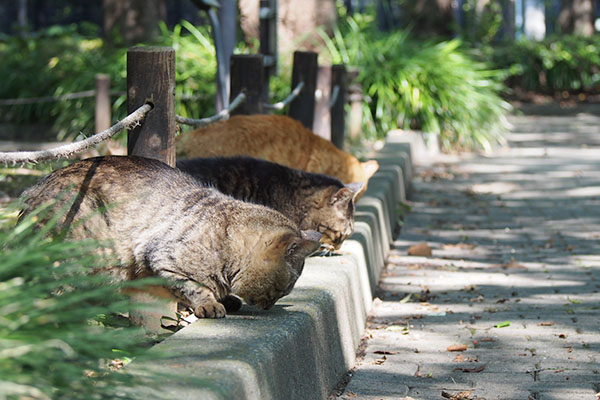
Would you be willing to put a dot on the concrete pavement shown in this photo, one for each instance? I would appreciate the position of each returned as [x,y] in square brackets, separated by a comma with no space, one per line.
[508,304]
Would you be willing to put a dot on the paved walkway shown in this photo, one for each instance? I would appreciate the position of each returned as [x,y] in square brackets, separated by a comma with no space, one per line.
[514,278]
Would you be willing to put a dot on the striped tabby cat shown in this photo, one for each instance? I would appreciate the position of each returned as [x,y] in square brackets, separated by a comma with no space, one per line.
[313,201]
[163,222]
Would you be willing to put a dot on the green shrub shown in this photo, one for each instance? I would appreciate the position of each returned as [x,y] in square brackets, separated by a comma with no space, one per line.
[59,60]
[54,340]
[557,63]
[436,87]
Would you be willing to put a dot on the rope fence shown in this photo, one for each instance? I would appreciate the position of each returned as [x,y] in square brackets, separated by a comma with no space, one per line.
[47,99]
[223,114]
[64,151]
[148,69]
[281,105]
[79,95]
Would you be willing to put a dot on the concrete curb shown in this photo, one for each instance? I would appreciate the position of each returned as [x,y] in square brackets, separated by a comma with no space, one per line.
[302,347]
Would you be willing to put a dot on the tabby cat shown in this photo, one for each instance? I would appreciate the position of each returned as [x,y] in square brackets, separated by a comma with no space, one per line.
[313,201]
[163,222]
[278,139]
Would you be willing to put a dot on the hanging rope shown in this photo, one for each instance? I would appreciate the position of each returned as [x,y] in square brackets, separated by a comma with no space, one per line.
[280,105]
[47,99]
[223,114]
[129,122]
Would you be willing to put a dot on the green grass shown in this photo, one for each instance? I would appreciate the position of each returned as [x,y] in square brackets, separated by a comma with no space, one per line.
[54,338]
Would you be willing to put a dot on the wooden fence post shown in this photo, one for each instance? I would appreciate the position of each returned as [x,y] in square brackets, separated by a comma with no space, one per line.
[151,78]
[304,70]
[102,106]
[247,76]
[267,14]
[338,106]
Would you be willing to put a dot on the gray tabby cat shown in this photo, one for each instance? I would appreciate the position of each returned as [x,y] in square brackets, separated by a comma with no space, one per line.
[313,201]
[163,222]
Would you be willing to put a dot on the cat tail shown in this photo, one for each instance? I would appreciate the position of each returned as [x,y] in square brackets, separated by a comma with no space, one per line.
[370,167]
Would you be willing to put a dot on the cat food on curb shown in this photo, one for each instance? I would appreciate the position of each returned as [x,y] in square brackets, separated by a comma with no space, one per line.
[161,221]
[275,138]
[313,201]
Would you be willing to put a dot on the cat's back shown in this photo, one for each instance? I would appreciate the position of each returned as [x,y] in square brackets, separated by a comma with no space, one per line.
[112,177]
[275,138]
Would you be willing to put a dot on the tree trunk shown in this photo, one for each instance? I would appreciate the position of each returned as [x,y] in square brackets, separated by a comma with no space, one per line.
[429,17]
[297,21]
[577,16]
[132,21]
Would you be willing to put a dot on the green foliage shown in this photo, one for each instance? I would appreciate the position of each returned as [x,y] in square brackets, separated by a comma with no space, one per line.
[196,66]
[53,62]
[558,63]
[436,87]
[60,60]
[53,339]
[481,22]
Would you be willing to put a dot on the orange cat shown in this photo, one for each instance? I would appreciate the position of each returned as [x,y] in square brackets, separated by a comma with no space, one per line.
[278,139]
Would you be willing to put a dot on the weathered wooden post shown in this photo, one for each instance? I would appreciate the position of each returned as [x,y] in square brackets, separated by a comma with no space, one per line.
[267,14]
[338,105]
[247,76]
[151,78]
[304,70]
[102,106]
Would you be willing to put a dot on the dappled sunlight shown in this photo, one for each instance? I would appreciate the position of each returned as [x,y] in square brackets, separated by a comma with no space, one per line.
[506,305]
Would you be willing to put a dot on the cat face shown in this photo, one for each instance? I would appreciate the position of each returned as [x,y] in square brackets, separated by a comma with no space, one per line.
[277,263]
[333,214]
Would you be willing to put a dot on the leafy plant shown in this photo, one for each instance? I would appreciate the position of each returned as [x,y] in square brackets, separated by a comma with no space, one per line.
[557,63]
[60,60]
[54,341]
[436,87]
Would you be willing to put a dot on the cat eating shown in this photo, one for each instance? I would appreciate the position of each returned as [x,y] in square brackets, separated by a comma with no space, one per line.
[275,138]
[161,221]
[313,201]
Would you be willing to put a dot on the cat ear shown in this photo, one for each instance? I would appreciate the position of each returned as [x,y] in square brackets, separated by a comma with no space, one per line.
[308,242]
[370,167]
[355,187]
[346,194]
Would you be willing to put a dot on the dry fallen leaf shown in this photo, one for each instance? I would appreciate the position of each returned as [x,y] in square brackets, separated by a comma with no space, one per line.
[385,352]
[457,347]
[546,323]
[487,339]
[380,361]
[476,369]
[458,396]
[459,358]
[421,249]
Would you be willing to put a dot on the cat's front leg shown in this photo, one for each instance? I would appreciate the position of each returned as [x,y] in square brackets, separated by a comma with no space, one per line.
[197,295]
[201,299]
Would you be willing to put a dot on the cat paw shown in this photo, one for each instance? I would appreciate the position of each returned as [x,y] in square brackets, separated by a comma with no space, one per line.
[210,310]
[231,303]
